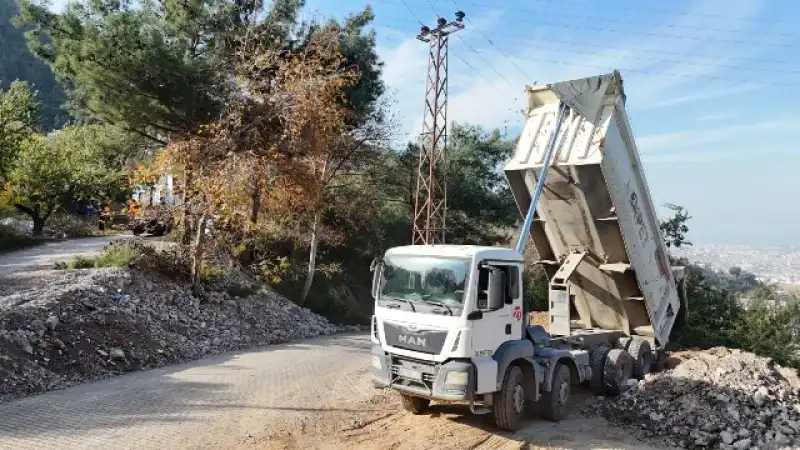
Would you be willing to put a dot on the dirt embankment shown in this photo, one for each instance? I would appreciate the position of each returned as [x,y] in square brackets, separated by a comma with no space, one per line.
[60,328]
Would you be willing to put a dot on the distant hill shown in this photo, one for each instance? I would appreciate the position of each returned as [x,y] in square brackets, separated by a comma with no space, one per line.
[18,63]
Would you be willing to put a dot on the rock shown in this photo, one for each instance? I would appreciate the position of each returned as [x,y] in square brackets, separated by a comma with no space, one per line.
[160,324]
[116,353]
[726,437]
[781,439]
[739,399]
[52,322]
[38,327]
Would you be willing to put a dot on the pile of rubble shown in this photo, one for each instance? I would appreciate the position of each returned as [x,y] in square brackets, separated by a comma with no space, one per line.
[59,328]
[719,398]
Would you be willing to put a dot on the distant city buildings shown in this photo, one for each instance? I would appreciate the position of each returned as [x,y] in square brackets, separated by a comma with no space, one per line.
[776,265]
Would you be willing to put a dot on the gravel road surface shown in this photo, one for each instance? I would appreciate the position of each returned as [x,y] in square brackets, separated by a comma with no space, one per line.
[312,394]
[220,402]
[46,255]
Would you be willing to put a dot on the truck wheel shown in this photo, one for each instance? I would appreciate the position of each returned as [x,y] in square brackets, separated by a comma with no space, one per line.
[415,405]
[641,357]
[598,363]
[616,371]
[553,405]
[508,405]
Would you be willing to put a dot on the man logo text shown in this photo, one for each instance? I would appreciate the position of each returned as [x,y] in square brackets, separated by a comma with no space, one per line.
[411,340]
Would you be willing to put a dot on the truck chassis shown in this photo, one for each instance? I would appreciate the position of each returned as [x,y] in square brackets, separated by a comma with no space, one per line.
[601,360]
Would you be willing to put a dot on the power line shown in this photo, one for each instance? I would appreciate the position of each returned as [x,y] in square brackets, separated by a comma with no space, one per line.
[584,43]
[412,12]
[475,51]
[691,63]
[650,34]
[630,8]
[511,60]
[547,44]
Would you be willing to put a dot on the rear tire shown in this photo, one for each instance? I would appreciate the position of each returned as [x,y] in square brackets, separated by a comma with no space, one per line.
[554,405]
[415,405]
[616,371]
[598,362]
[508,405]
[641,357]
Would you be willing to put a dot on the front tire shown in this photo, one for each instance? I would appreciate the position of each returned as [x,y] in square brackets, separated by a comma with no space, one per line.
[553,405]
[415,405]
[509,404]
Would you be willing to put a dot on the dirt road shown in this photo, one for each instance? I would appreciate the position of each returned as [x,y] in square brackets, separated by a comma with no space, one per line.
[308,395]
[46,255]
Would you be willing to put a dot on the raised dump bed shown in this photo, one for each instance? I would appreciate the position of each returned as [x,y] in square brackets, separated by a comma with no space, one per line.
[595,228]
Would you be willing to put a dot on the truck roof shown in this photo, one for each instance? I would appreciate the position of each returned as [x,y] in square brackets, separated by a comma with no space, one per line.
[458,251]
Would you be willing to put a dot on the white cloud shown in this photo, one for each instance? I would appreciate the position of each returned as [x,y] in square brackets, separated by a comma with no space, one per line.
[705,136]
[716,117]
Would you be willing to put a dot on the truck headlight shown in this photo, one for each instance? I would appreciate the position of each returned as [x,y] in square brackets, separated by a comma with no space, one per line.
[457,378]
[376,362]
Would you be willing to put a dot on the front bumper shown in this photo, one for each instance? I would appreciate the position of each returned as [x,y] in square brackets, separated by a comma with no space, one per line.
[434,382]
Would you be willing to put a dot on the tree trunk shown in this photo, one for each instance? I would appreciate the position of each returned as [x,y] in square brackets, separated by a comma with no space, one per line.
[197,254]
[38,225]
[312,259]
[256,201]
[186,225]
[36,216]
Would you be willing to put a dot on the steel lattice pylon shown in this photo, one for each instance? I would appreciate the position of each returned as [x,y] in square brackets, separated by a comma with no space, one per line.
[430,202]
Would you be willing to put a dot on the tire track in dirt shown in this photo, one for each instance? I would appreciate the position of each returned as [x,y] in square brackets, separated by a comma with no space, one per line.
[381,424]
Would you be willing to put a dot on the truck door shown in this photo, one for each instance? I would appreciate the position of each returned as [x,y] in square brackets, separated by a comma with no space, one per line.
[496,326]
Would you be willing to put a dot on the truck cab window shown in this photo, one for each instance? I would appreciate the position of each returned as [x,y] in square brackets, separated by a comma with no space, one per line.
[512,286]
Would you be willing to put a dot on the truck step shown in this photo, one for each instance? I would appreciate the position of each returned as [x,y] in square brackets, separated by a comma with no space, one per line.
[479,410]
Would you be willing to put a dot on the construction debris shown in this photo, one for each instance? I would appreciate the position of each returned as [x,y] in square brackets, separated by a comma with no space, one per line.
[720,398]
[60,328]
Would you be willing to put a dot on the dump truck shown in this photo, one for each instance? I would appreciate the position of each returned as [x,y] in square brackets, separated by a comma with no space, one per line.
[450,322]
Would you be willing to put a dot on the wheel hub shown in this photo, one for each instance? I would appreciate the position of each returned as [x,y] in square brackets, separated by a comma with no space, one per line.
[519,399]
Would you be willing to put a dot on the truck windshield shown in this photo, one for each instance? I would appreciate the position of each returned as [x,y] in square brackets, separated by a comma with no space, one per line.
[427,280]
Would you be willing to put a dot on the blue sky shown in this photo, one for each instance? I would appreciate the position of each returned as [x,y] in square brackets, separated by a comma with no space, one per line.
[712,90]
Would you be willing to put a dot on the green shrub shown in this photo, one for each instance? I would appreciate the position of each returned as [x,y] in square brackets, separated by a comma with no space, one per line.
[82,262]
[771,328]
[714,313]
[116,255]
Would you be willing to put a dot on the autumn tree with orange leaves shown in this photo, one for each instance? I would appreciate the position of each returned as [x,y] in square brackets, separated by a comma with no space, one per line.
[279,152]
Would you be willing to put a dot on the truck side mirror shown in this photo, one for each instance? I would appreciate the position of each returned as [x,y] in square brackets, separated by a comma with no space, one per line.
[497,289]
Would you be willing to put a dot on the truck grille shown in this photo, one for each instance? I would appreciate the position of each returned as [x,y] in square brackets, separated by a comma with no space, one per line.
[420,340]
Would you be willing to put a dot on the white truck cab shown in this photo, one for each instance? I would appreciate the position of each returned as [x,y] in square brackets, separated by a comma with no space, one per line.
[449,323]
